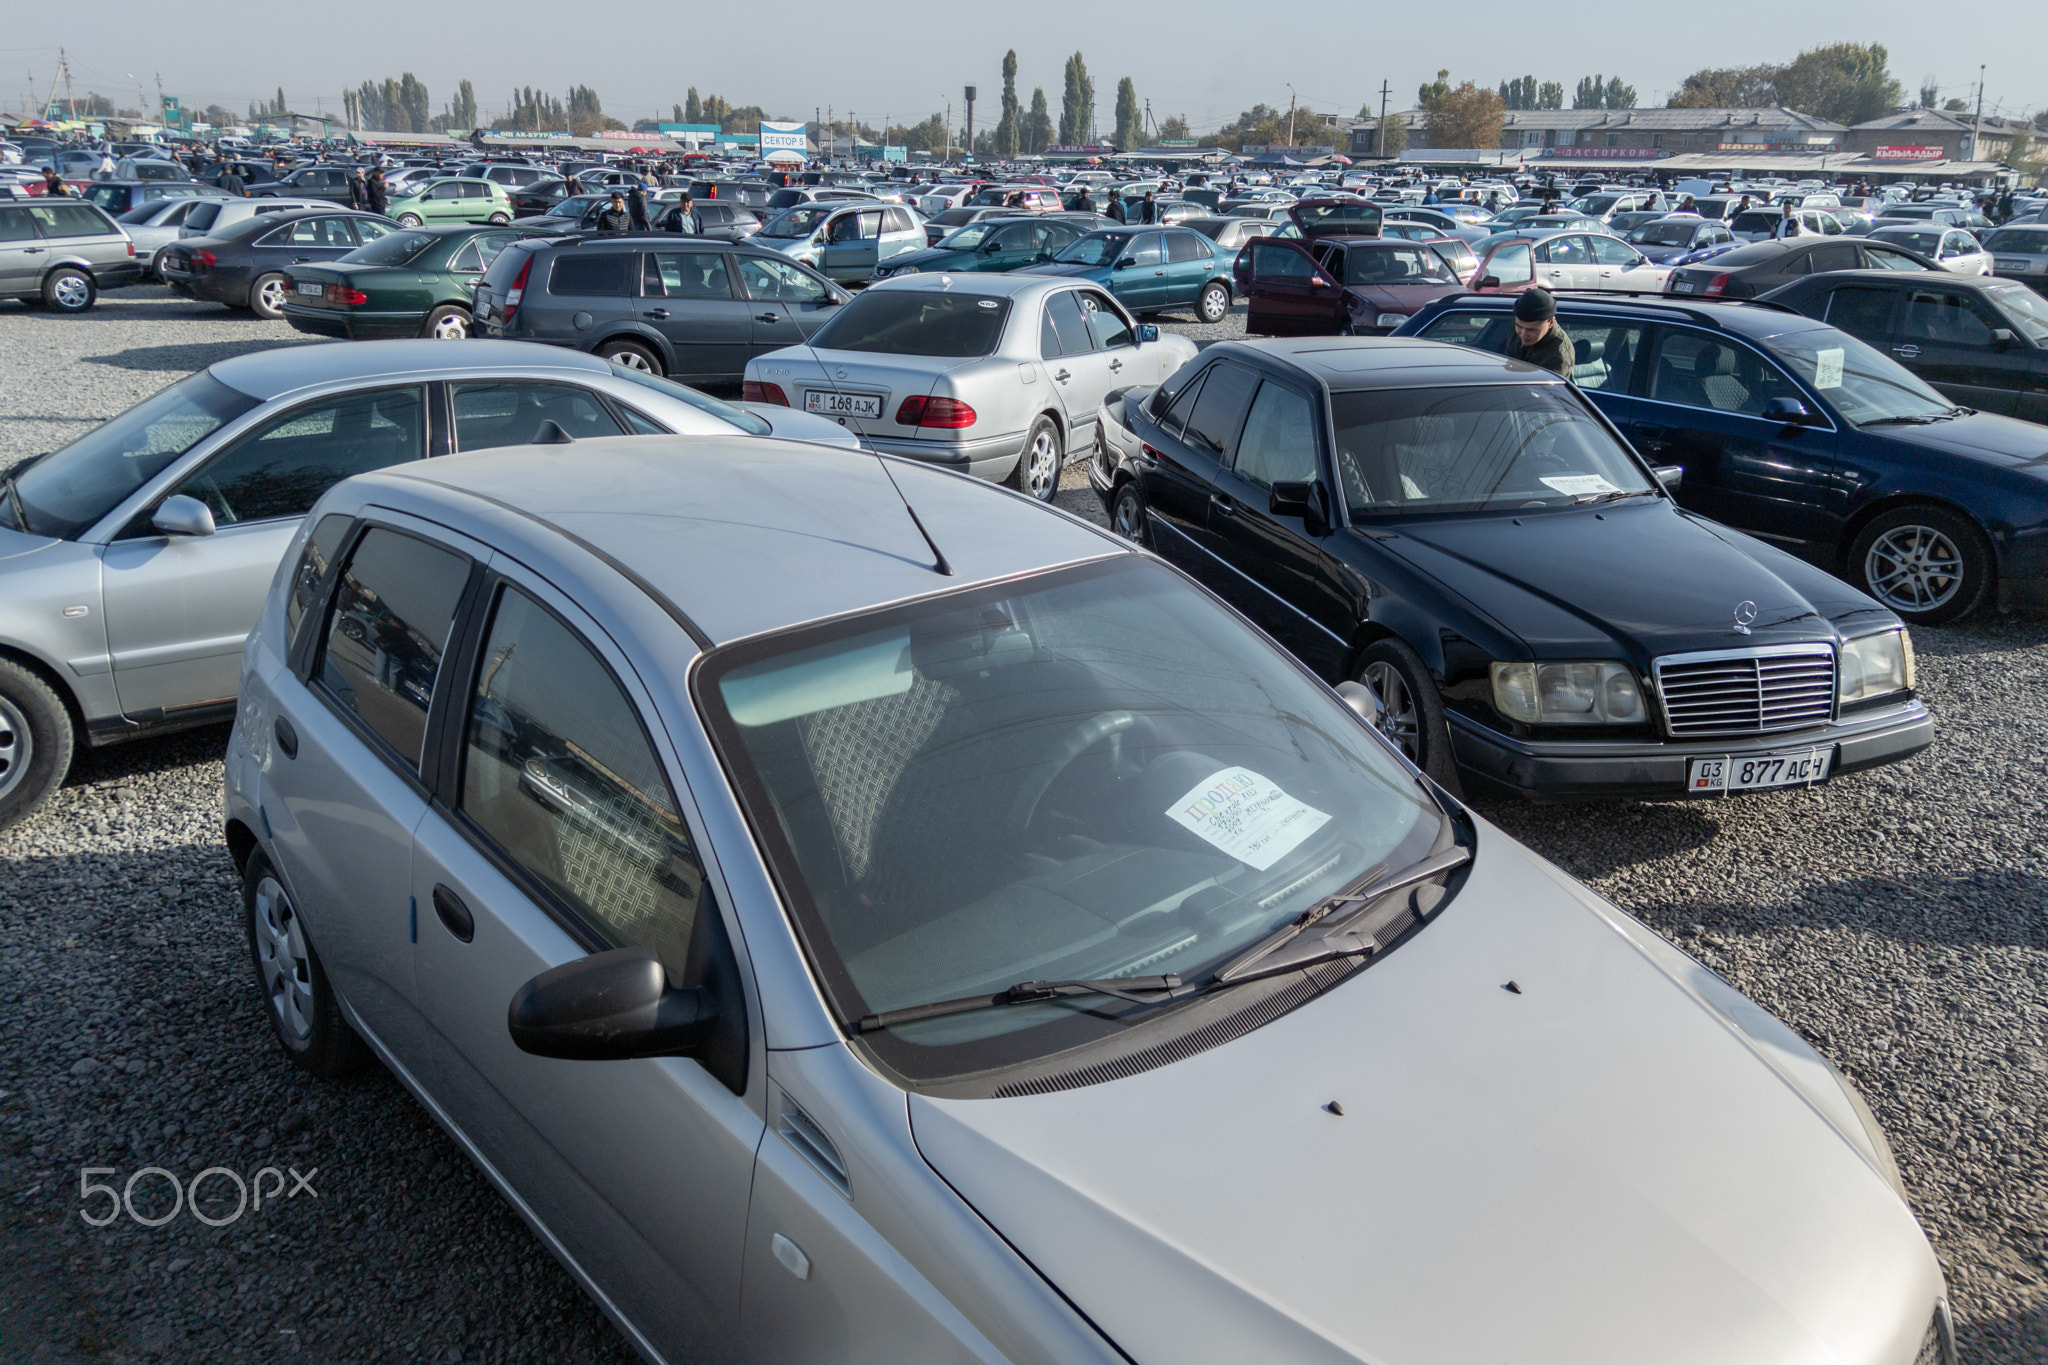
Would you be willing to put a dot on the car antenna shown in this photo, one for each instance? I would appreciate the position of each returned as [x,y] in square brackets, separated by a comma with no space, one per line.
[940,564]
[550,433]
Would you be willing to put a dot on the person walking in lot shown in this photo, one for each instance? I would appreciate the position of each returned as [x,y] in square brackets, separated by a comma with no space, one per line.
[358,192]
[230,180]
[106,171]
[1148,212]
[374,187]
[616,217]
[1082,203]
[1115,209]
[685,219]
[636,205]
[53,183]
[1537,338]
[1788,225]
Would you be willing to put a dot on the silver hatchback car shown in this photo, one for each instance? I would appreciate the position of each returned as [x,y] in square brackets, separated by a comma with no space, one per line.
[950,935]
[133,561]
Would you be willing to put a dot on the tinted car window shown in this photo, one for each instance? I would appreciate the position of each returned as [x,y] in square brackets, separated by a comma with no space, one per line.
[1064,330]
[1186,246]
[282,468]
[320,550]
[916,322]
[1482,331]
[508,412]
[1280,263]
[1144,250]
[599,274]
[1942,318]
[779,282]
[1223,400]
[392,611]
[558,773]
[72,220]
[16,226]
[1106,326]
[1603,356]
[686,275]
[202,215]
[1704,371]
[1885,258]
[1865,313]
[1279,444]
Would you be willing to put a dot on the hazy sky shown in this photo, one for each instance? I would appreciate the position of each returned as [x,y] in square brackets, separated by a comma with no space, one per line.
[1206,59]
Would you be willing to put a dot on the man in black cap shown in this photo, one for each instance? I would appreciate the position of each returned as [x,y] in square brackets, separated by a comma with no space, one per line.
[1537,338]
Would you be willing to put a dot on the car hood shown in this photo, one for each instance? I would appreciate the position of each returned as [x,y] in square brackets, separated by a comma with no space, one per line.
[1986,436]
[1662,255]
[1405,298]
[1630,580]
[1587,1167]
[930,258]
[14,544]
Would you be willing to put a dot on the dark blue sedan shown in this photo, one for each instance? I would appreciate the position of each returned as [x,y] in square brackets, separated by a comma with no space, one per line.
[1797,432]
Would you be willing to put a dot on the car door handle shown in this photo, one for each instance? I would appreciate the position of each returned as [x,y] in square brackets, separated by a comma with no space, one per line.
[655,313]
[33,250]
[1648,433]
[454,914]
[1115,366]
[1908,351]
[1063,376]
[1223,503]
[767,317]
[287,738]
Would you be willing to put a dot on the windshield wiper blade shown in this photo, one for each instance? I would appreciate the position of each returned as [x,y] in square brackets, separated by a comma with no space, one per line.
[1616,496]
[1378,884]
[1028,992]
[1918,419]
[13,498]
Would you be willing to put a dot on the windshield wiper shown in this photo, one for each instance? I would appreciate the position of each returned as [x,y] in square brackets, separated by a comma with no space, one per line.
[1165,987]
[1344,934]
[1616,496]
[13,498]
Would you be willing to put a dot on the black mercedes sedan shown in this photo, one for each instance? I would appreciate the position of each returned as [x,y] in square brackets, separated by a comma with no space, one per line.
[1472,539]
[245,264]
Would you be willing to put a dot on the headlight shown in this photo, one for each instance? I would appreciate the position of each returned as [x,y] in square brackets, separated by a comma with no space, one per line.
[1392,319]
[1875,666]
[1596,693]
[902,270]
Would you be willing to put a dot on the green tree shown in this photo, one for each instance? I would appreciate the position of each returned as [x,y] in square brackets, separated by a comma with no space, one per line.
[1591,94]
[1130,118]
[1038,123]
[370,113]
[1842,82]
[1077,110]
[1930,91]
[1392,139]
[413,99]
[1175,128]
[1551,96]
[1520,93]
[464,108]
[1468,116]
[1432,91]
[1009,132]
[693,108]
[1732,87]
[1956,106]
[1619,95]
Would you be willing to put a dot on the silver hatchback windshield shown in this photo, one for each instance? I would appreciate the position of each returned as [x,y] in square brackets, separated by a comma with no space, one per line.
[1091,773]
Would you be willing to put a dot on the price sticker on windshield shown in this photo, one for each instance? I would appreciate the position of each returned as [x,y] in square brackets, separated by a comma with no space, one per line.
[1827,368]
[1577,485]
[1247,816]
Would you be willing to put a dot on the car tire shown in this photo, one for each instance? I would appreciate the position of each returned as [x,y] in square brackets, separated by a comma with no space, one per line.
[411,220]
[267,296]
[1213,304]
[156,266]
[1039,465]
[500,219]
[296,995]
[1127,513]
[632,355]
[69,290]
[449,322]
[36,740]
[1411,708]
[1928,564]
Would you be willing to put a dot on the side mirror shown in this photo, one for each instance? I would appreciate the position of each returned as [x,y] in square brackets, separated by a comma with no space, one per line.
[1790,411]
[1669,475]
[1488,282]
[2002,337]
[1363,701]
[179,515]
[1123,263]
[1147,331]
[609,1007]
[1305,499]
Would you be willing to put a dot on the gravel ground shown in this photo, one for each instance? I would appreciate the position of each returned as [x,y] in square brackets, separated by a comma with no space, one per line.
[1898,919]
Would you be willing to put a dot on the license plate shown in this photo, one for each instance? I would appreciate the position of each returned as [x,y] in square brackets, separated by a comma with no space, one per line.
[1755,772]
[842,404]
[313,291]
[2019,267]
[1682,287]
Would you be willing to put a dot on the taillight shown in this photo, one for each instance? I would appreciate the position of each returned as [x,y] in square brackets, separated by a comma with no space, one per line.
[342,294]
[1716,287]
[949,413]
[517,291]
[131,248]
[205,258]
[760,391]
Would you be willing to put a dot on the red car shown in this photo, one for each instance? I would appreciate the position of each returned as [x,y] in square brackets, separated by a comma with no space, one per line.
[1336,279]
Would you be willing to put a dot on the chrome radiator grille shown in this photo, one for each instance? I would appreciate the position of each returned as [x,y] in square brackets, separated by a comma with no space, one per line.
[1747,692]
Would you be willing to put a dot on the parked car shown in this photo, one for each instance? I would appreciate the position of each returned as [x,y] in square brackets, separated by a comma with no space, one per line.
[1795,431]
[844,242]
[2020,253]
[1017,198]
[415,282]
[736,819]
[687,307]
[990,245]
[1948,215]
[790,196]
[513,175]
[1672,240]
[117,197]
[62,253]
[1607,204]
[151,168]
[1230,234]
[1350,498]
[1517,261]
[1338,286]
[1981,342]
[327,183]
[244,264]
[569,213]
[1150,270]
[540,197]
[1761,225]
[167,522]
[156,223]
[723,220]
[453,200]
[1951,248]
[1759,267]
[1001,376]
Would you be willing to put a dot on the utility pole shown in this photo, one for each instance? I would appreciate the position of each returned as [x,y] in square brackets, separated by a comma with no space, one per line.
[1290,113]
[44,110]
[970,120]
[1977,136]
[1385,90]
[72,100]
[949,131]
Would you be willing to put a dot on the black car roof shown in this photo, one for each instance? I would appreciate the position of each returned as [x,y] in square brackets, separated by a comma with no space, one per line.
[1386,362]
[1747,318]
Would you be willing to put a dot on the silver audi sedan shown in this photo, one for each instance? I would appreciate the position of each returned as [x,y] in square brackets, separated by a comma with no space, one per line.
[910,924]
[132,561]
[997,375]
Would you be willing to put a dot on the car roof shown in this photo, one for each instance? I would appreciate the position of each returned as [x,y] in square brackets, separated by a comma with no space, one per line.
[265,375]
[1747,318]
[991,283]
[1386,362]
[755,534]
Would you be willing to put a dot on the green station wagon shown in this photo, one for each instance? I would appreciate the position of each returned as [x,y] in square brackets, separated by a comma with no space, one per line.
[417,282]
[457,199]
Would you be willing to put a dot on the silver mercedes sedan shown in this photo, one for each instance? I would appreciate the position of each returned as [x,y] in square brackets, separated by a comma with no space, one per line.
[915,925]
[132,561]
[998,375]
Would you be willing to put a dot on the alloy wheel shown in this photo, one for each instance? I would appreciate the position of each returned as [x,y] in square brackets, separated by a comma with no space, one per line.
[17,747]
[72,291]
[453,327]
[1398,718]
[1128,519]
[632,360]
[282,959]
[271,295]
[1215,304]
[1913,568]
[1043,470]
